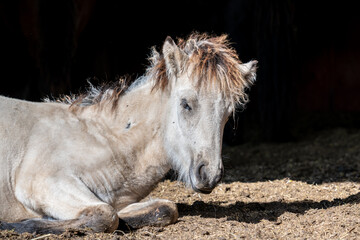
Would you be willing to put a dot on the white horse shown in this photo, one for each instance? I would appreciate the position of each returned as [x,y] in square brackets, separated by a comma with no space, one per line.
[88,160]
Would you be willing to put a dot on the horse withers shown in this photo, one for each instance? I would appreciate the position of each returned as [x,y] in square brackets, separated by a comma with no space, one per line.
[85,161]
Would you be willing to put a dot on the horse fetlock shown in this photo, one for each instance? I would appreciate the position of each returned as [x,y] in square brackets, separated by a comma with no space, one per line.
[101,218]
[152,213]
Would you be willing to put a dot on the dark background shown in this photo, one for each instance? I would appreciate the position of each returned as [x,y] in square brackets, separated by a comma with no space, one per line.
[308,53]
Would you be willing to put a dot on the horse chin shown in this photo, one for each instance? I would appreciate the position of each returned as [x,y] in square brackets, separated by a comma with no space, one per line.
[199,190]
[204,191]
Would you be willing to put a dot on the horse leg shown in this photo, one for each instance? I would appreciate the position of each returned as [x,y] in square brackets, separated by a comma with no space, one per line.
[158,212]
[100,218]
[62,203]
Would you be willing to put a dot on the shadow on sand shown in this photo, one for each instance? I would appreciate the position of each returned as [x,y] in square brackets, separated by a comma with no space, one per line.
[255,212]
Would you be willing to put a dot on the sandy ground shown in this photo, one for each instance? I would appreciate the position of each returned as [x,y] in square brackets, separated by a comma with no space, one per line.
[301,190]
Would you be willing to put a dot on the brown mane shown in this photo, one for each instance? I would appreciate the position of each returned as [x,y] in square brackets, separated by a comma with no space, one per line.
[214,62]
[109,92]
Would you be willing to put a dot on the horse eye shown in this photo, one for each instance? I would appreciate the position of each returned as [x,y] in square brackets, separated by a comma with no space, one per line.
[185,105]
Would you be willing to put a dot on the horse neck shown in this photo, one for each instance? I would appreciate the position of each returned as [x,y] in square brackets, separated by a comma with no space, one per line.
[135,126]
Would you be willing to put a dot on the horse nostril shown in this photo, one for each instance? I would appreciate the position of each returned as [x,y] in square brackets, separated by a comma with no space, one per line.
[201,172]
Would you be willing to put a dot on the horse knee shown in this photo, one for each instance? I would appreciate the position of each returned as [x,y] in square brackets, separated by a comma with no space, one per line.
[101,218]
[157,212]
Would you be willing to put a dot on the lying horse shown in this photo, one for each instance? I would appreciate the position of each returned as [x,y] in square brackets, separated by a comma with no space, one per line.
[88,160]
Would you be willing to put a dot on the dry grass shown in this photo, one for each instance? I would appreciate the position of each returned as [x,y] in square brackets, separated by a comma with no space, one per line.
[304,190]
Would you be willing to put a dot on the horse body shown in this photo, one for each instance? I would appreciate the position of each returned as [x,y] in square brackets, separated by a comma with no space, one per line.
[57,148]
[90,164]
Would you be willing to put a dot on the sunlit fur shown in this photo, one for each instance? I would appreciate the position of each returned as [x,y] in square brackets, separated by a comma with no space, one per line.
[85,160]
[209,61]
[213,62]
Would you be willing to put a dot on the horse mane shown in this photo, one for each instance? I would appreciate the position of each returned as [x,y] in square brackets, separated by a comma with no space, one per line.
[109,92]
[214,61]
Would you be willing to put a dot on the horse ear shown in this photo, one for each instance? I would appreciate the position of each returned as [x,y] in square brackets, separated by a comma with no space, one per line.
[174,57]
[249,71]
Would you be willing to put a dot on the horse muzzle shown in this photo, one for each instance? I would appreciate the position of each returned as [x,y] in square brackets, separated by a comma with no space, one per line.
[203,180]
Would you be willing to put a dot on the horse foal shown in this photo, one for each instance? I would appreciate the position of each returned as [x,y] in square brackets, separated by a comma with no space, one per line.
[87,161]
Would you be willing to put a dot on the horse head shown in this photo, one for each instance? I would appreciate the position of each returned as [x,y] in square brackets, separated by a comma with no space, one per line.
[206,82]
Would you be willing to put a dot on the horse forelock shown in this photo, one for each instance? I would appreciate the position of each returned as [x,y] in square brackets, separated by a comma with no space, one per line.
[213,63]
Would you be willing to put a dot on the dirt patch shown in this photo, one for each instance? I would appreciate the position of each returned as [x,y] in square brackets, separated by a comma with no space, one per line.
[309,189]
